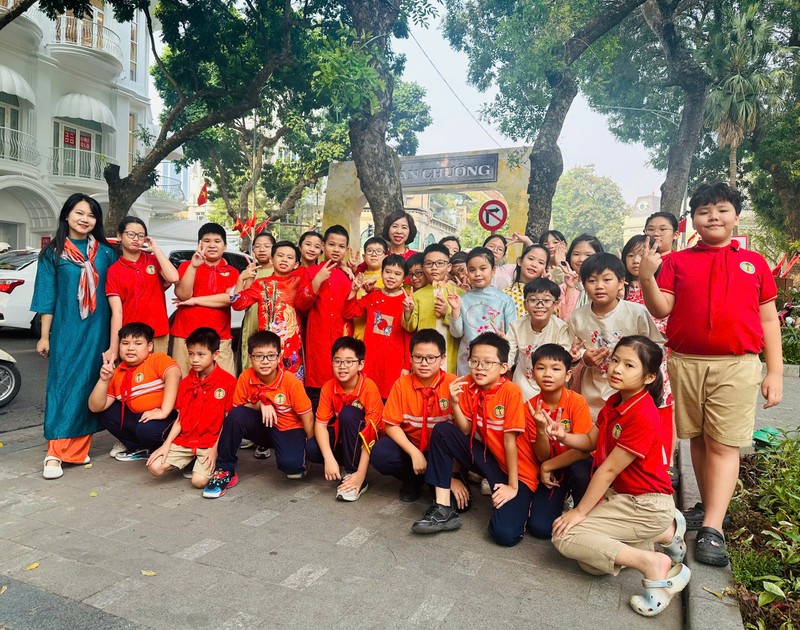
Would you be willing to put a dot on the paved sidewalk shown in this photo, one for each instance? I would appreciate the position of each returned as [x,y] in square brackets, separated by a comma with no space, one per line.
[272,551]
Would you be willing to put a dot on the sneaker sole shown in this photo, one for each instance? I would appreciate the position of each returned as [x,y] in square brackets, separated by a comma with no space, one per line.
[351,498]
[449,526]
[233,483]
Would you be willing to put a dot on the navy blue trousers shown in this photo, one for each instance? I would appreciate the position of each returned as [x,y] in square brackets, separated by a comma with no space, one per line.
[347,448]
[389,459]
[133,434]
[548,504]
[449,444]
[243,422]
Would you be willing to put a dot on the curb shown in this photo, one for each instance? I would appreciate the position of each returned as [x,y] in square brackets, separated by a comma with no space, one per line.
[790,370]
[702,609]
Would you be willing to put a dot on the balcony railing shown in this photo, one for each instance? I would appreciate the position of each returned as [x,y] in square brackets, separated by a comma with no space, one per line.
[18,146]
[69,162]
[87,34]
[167,188]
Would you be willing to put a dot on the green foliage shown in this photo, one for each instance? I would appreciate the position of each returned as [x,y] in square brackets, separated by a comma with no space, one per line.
[586,202]
[790,340]
[123,9]
[409,116]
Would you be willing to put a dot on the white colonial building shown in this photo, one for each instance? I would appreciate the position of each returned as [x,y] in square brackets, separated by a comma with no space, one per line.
[73,95]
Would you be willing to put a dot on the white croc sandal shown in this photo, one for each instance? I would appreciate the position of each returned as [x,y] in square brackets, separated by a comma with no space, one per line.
[659,593]
[676,550]
[52,472]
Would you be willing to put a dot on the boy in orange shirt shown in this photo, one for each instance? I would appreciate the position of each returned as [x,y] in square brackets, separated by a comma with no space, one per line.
[204,399]
[562,470]
[416,404]
[488,436]
[136,400]
[271,408]
[348,404]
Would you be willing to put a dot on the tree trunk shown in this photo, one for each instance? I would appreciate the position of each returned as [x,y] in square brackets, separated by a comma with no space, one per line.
[546,161]
[684,72]
[377,164]
[122,195]
[15,11]
[732,165]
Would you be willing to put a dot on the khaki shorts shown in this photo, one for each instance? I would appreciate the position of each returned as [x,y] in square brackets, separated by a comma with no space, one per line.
[715,396]
[181,457]
[161,344]
[619,519]
[181,356]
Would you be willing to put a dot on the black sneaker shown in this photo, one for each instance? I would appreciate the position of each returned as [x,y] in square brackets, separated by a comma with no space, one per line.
[411,490]
[695,516]
[438,518]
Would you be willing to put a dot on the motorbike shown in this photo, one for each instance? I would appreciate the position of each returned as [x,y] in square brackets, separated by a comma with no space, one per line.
[10,378]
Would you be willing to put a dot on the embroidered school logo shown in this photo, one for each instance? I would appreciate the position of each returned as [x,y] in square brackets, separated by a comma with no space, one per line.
[151,269]
[443,404]
[280,399]
[139,377]
[567,424]
[219,393]
[747,267]
[616,431]
[499,411]
[357,404]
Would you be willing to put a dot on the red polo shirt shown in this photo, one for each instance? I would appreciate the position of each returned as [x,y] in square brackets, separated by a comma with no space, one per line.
[286,393]
[718,296]
[208,280]
[635,427]
[140,287]
[203,405]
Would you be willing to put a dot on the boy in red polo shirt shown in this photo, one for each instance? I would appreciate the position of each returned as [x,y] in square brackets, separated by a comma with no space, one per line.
[271,409]
[136,400]
[720,301]
[488,436]
[417,403]
[349,403]
[204,398]
[205,274]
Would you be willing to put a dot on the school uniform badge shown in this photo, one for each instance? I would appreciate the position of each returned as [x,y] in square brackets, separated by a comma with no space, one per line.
[151,269]
[280,399]
[444,404]
[747,267]
[500,411]
[616,431]
[219,393]
[357,404]
[567,424]
[139,377]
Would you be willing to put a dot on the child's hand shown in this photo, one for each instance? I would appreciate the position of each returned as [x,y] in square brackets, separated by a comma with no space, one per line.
[556,430]
[500,332]
[516,237]
[575,349]
[539,416]
[566,522]
[153,414]
[209,462]
[353,260]
[546,477]
[440,302]
[249,272]
[368,284]
[503,493]
[408,301]
[454,300]
[199,257]
[324,273]
[570,278]
[107,369]
[332,472]
[456,388]
[269,416]
[460,492]
[651,261]
[149,244]
[560,255]
[462,284]
[405,372]
[594,357]
[160,453]
[353,482]
[772,390]
[419,463]
[347,271]
[187,302]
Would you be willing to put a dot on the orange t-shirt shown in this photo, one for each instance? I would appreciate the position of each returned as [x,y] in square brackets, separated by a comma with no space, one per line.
[502,412]
[406,406]
[365,395]
[146,386]
[286,393]
[575,416]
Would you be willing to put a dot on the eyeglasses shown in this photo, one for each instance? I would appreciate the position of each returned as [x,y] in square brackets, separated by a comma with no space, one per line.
[136,236]
[538,302]
[348,363]
[374,252]
[415,358]
[482,363]
[264,358]
[438,264]
[662,230]
[416,274]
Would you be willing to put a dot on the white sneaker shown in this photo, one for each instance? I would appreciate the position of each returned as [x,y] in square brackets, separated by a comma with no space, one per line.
[245,443]
[352,495]
[485,489]
[118,448]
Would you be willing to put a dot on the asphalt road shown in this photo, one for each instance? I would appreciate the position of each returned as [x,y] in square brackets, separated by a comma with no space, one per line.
[27,409]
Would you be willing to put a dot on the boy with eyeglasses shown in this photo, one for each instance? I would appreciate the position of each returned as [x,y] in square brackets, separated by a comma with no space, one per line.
[430,308]
[348,420]
[271,408]
[538,327]
[369,276]
[490,436]
[417,403]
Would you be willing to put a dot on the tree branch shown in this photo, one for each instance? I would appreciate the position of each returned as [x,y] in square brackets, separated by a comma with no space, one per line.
[15,12]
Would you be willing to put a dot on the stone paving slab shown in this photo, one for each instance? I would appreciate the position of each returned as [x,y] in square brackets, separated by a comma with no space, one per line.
[272,552]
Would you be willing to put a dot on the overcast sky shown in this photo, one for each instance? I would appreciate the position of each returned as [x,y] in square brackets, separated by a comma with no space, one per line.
[584,139]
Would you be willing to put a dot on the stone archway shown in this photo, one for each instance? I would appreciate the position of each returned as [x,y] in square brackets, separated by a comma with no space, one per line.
[505,171]
[27,203]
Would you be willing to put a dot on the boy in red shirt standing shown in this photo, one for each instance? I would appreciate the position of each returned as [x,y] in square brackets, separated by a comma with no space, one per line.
[720,301]
[271,408]
[204,399]
[205,274]
[488,436]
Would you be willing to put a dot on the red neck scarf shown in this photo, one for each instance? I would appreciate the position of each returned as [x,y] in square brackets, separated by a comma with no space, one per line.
[340,400]
[720,281]
[479,407]
[87,285]
[125,388]
[428,406]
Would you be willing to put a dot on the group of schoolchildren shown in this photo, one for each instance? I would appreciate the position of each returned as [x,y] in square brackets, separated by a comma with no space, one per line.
[543,381]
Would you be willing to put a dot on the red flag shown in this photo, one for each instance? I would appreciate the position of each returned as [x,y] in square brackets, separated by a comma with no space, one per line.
[776,270]
[262,226]
[203,196]
[682,226]
[692,239]
[238,225]
[249,224]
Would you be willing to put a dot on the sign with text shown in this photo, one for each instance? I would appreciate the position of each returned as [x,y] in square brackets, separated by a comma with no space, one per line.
[464,169]
[69,138]
[493,215]
[86,142]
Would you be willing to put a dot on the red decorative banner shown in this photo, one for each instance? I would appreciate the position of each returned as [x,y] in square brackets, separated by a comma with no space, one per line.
[69,138]
[86,142]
